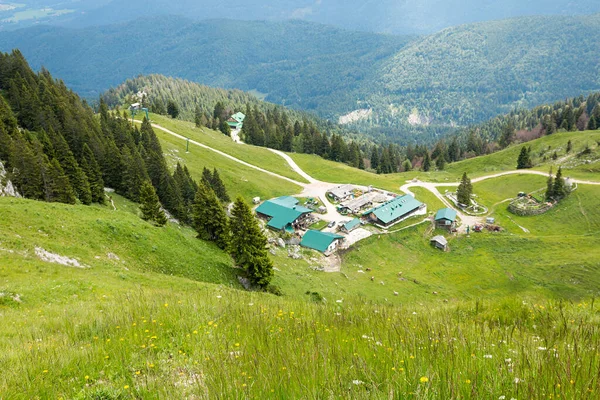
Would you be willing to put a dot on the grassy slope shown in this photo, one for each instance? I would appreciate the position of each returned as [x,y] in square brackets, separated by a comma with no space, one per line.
[128,328]
[100,336]
[505,160]
[89,234]
[239,179]
[251,154]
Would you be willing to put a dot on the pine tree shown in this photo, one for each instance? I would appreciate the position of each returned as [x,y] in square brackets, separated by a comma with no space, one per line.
[150,206]
[406,165]
[550,187]
[507,136]
[248,245]
[92,170]
[569,146]
[172,109]
[440,162]
[209,217]
[198,117]
[465,190]
[426,162]
[219,187]
[524,160]
[57,185]
[592,123]
[225,128]
[559,190]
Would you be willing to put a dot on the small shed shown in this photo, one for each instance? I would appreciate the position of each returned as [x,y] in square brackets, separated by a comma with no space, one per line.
[256,200]
[445,218]
[325,242]
[440,242]
[351,225]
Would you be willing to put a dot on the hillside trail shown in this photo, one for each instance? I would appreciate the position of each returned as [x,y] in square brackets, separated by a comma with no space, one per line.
[318,189]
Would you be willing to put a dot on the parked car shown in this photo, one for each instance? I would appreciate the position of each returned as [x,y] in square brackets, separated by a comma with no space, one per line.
[331,224]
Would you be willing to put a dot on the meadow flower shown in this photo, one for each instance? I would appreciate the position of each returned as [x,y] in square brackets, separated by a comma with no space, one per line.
[357,382]
[424,379]
[487,356]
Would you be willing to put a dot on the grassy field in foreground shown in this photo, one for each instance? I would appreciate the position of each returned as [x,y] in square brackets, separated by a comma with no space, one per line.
[259,156]
[98,336]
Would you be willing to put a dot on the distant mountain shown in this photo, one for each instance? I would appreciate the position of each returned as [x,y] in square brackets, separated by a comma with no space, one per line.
[300,64]
[392,16]
[470,73]
[395,87]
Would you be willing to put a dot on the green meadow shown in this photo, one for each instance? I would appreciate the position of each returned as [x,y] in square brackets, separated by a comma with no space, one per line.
[156,313]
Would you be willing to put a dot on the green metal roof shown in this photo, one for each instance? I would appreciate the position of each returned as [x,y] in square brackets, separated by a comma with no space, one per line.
[446,213]
[283,211]
[396,208]
[352,224]
[239,117]
[318,240]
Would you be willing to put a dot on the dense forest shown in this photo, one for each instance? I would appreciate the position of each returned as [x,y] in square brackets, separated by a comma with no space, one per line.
[55,149]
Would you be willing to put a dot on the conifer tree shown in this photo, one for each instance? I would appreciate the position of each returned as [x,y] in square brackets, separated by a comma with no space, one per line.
[465,190]
[524,160]
[559,190]
[225,128]
[426,162]
[550,186]
[198,117]
[209,217]
[248,245]
[219,187]
[440,162]
[569,146]
[172,109]
[57,185]
[150,205]
[592,123]
[92,170]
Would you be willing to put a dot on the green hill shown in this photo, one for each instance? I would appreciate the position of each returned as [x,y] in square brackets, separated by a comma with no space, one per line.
[126,327]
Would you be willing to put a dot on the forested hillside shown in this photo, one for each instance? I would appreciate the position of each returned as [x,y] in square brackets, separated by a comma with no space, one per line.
[471,73]
[55,149]
[417,89]
[298,64]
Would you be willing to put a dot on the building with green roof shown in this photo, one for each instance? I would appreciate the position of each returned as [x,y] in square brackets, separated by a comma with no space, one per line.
[236,121]
[283,213]
[325,242]
[395,210]
[445,218]
[351,225]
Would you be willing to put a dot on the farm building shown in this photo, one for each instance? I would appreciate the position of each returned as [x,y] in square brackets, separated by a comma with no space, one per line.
[395,210]
[351,225]
[236,121]
[354,206]
[445,218]
[325,242]
[440,242]
[342,192]
[283,213]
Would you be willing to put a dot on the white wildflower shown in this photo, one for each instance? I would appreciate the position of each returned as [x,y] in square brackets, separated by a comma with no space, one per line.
[357,382]
[487,356]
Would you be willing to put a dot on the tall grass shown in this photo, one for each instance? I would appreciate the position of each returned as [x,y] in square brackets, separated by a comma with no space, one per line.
[222,343]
